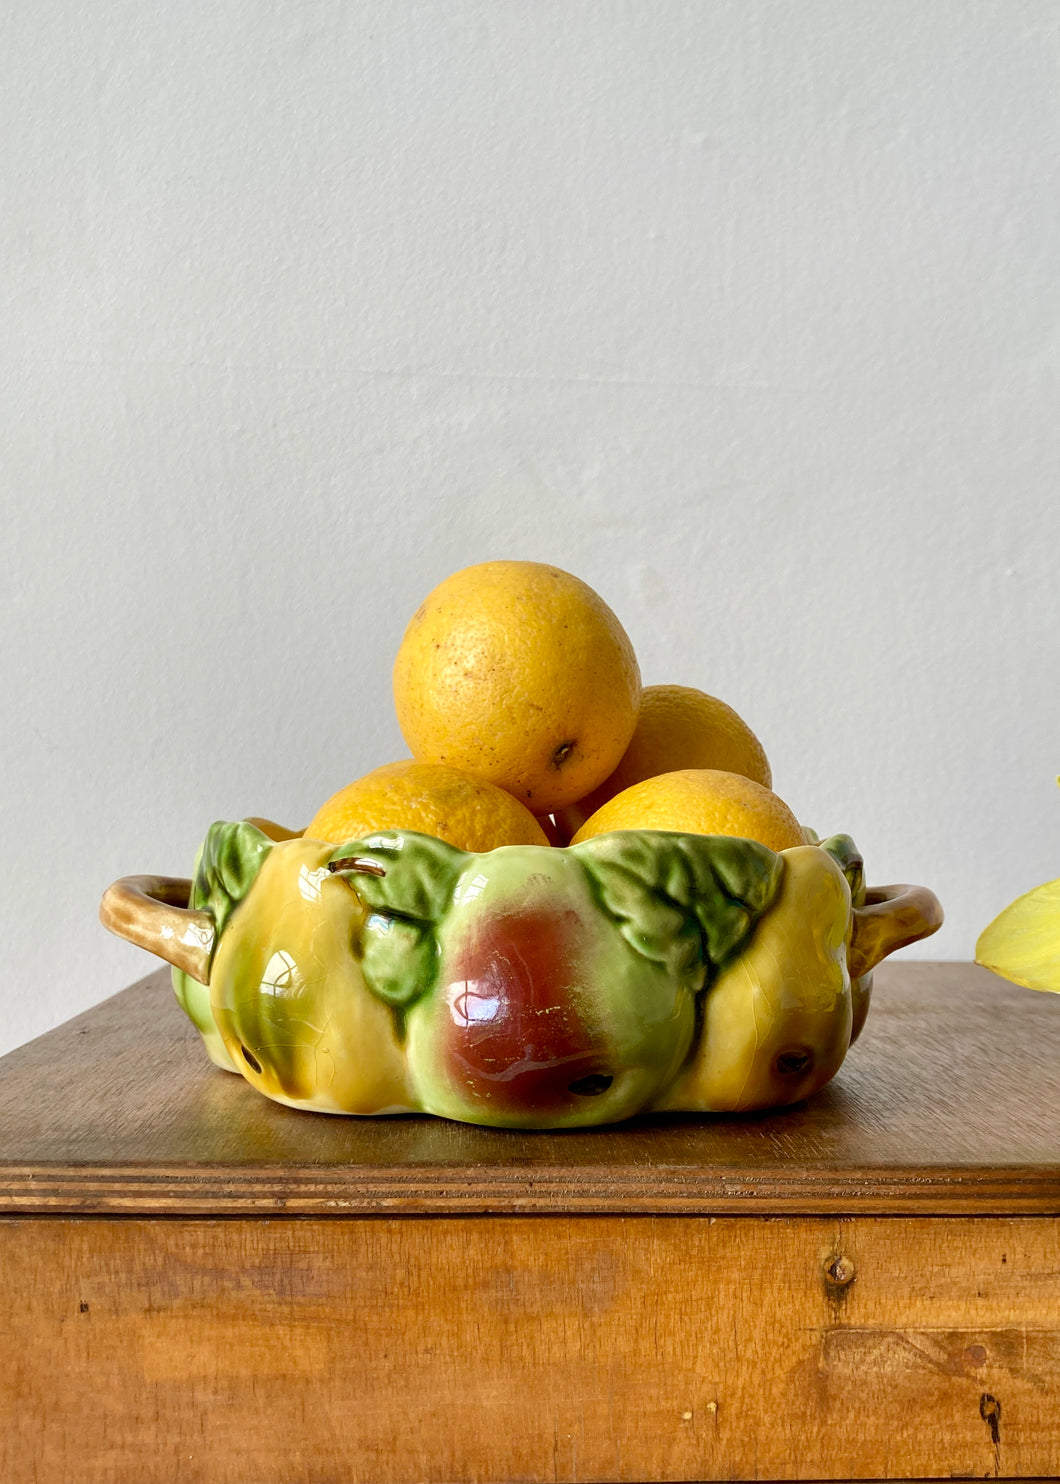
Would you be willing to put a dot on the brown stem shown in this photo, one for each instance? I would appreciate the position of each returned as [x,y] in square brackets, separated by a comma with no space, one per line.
[357,863]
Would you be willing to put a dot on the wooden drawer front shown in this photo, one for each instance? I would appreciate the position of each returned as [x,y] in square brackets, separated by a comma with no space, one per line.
[305,1351]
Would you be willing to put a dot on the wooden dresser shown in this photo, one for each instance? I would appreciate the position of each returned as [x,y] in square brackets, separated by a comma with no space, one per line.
[201,1286]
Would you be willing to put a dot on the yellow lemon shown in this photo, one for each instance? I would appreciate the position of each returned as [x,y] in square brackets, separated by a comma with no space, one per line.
[518,673]
[699,801]
[430,799]
[678,727]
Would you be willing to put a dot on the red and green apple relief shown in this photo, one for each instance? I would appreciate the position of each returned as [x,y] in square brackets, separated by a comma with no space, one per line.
[541,1008]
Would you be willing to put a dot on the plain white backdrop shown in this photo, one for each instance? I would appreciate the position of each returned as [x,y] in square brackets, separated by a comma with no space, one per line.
[748,313]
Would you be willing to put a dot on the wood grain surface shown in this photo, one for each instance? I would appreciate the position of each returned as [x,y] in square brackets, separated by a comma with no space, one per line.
[596,1349]
[950,1102]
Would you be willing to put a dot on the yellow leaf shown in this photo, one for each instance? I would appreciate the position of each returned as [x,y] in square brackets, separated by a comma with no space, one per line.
[1023,942]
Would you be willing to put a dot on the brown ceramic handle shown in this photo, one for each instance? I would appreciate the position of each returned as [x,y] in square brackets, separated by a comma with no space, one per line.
[892,918]
[153,913]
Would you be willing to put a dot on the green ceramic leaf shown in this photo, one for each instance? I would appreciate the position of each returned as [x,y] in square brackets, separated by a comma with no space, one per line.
[1023,942]
[226,868]
[399,959]
[685,901]
[847,857]
[418,872]
[408,899]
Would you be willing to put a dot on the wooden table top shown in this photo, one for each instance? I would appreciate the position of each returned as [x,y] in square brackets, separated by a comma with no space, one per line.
[949,1104]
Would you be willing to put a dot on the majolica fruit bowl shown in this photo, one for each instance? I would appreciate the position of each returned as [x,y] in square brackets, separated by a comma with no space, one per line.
[527,987]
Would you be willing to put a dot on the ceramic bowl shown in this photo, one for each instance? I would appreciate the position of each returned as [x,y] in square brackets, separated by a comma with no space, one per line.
[527,987]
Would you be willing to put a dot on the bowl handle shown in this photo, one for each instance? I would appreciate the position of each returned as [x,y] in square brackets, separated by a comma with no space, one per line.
[153,913]
[891,918]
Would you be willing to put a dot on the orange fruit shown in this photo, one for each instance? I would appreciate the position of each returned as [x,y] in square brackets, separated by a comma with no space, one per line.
[430,799]
[699,801]
[677,727]
[520,674]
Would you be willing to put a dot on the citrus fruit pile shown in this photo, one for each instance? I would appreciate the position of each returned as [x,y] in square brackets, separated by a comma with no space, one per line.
[519,695]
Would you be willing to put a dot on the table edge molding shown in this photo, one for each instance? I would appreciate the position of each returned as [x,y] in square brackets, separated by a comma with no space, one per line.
[456,1190]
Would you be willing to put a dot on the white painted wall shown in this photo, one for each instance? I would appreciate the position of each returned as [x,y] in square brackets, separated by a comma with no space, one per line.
[745,312]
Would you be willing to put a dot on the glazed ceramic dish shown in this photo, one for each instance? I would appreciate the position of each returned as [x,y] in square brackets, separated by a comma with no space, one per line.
[528,987]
